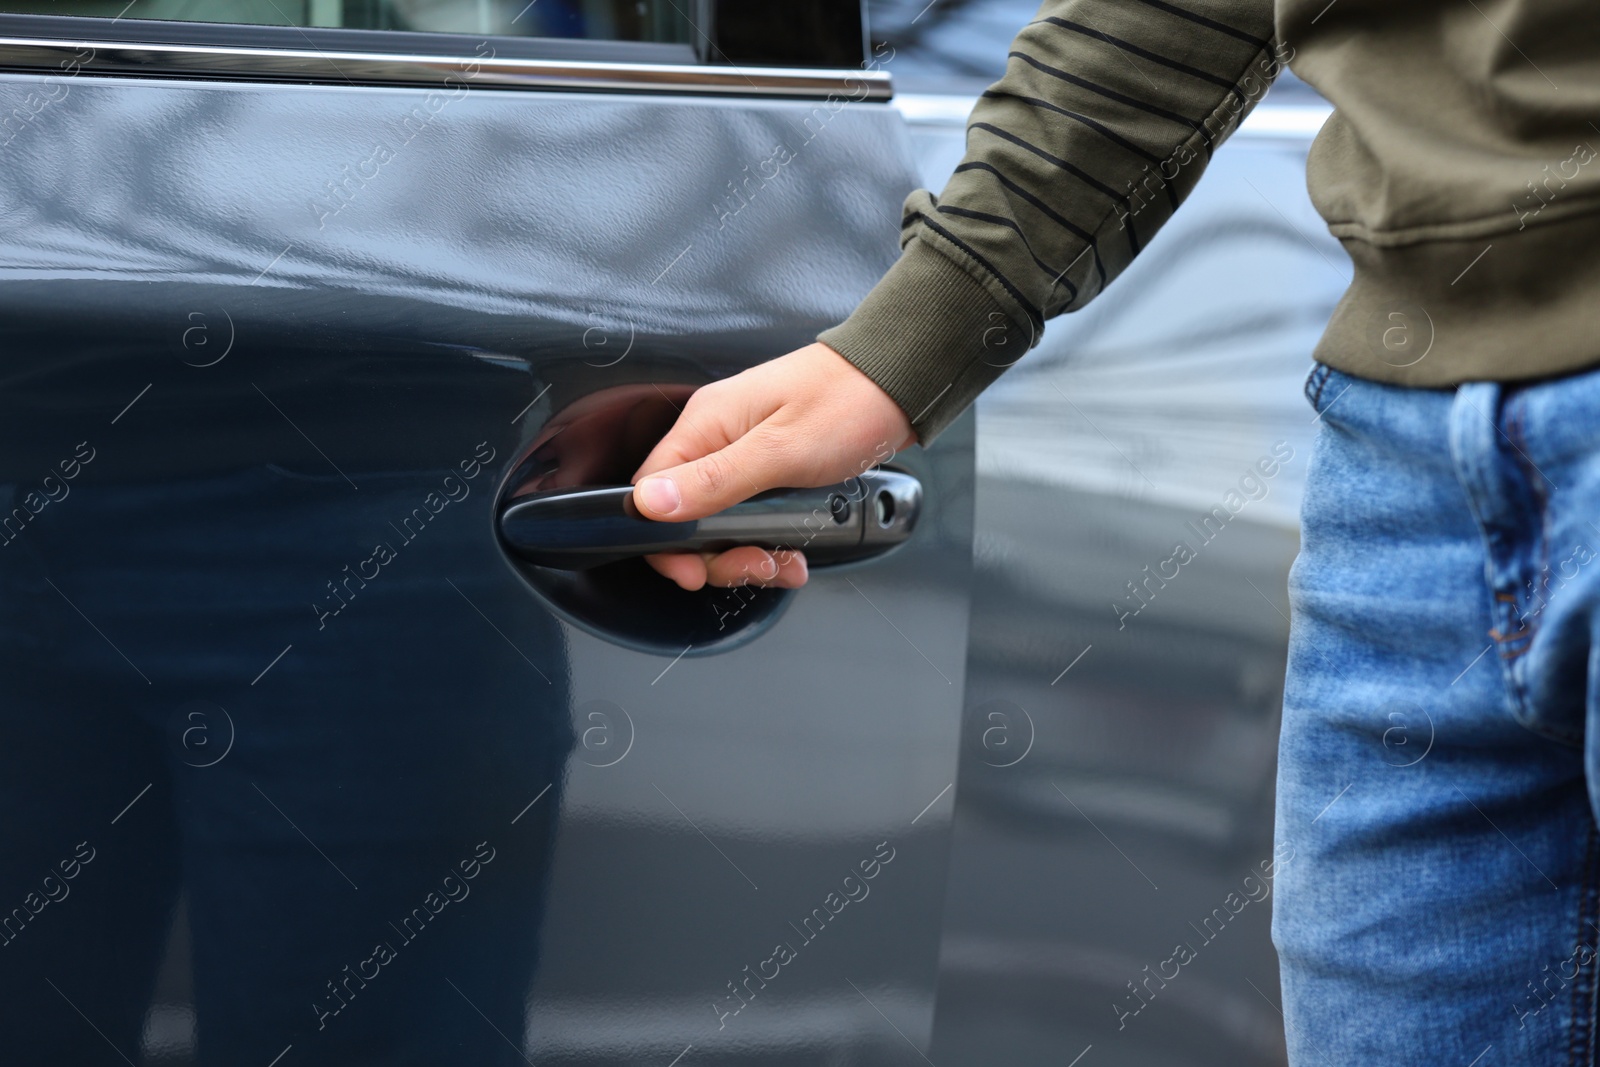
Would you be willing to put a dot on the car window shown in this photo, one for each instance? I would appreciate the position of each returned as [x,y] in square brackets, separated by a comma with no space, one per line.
[665,21]
[949,45]
[960,46]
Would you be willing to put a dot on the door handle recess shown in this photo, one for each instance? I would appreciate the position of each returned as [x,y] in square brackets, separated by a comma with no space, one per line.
[576,529]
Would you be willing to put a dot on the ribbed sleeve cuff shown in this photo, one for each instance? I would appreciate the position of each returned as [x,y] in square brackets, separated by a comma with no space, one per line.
[931,336]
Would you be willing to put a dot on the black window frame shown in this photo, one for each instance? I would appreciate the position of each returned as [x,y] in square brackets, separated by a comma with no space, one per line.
[813,34]
[72,45]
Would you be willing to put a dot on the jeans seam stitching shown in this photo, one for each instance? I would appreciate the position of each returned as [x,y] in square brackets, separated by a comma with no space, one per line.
[1536,484]
[1517,430]
[1515,412]
[1511,647]
[1580,1044]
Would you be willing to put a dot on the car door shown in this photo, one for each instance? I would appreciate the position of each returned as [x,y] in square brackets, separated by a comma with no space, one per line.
[303,763]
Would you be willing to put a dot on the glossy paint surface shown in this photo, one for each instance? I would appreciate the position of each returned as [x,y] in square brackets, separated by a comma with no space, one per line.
[333,783]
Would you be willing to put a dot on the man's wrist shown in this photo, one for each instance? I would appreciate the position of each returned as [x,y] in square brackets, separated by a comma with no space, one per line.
[931,336]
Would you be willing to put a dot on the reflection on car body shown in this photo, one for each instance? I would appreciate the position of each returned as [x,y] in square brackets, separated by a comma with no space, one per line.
[357,788]
[305,766]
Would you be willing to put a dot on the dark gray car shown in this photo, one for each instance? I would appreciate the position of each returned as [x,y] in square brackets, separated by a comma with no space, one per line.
[344,724]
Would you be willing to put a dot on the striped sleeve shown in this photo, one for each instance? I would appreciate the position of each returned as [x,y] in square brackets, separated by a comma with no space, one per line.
[1103,122]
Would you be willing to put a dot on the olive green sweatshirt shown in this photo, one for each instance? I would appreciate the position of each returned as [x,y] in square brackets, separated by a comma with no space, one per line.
[1459,170]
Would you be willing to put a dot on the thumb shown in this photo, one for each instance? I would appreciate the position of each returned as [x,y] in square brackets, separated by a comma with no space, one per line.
[711,483]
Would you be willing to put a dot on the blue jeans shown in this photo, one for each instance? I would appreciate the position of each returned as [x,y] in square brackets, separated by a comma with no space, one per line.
[1440,761]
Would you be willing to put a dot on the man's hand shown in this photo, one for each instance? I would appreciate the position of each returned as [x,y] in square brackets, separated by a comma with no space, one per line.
[809,418]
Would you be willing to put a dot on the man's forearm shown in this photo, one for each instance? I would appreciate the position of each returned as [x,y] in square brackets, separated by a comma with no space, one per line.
[1102,124]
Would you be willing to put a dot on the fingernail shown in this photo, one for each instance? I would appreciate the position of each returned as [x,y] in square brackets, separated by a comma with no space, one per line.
[660,495]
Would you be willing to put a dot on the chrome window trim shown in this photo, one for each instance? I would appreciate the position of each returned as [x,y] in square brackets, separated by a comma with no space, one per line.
[63,56]
[1269,120]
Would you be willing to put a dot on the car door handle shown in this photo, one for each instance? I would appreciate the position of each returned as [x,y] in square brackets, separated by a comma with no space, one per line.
[576,529]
